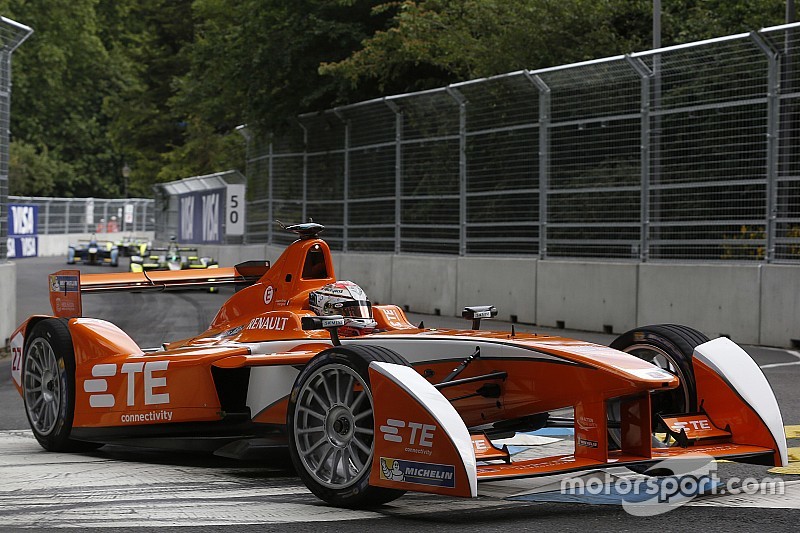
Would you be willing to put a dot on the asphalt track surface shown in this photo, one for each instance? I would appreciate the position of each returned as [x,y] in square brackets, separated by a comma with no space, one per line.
[125,489]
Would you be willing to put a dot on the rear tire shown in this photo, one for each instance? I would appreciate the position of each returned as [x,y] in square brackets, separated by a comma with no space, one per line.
[331,426]
[48,386]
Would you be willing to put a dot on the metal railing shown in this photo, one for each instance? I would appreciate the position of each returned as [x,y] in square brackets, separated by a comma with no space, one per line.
[90,215]
[12,34]
[690,152]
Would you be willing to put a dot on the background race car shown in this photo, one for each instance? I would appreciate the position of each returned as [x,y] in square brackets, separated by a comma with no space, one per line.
[173,257]
[131,245]
[93,252]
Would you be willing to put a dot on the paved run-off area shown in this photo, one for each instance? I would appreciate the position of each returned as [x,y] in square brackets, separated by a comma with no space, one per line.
[127,488]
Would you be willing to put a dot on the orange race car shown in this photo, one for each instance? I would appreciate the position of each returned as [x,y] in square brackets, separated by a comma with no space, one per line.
[370,405]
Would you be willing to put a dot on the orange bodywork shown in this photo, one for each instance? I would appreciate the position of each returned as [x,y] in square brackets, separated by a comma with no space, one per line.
[245,363]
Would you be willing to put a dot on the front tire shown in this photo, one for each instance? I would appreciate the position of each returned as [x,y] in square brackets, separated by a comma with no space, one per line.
[331,426]
[48,386]
[670,347]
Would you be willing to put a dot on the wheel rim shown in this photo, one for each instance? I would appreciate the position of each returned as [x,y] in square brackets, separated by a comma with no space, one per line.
[334,427]
[664,361]
[42,386]
[659,400]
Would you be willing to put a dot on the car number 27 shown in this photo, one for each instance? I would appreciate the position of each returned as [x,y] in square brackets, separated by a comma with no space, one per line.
[16,359]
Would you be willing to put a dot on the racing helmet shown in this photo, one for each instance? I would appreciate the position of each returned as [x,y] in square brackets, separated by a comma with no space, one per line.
[347,299]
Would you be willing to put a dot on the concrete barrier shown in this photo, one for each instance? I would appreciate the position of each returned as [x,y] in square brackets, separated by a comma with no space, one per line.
[753,304]
[780,305]
[53,245]
[372,272]
[507,283]
[715,299]
[590,296]
[426,284]
[233,255]
[8,303]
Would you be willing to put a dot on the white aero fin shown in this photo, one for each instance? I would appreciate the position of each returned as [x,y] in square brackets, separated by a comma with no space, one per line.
[737,368]
[439,409]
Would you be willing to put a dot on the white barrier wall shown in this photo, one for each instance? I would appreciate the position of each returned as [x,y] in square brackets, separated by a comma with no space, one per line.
[426,284]
[370,271]
[753,304]
[8,301]
[53,245]
[780,305]
[507,283]
[716,299]
[590,296]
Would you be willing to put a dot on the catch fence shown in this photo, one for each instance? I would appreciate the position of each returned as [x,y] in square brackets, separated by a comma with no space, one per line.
[90,215]
[690,152]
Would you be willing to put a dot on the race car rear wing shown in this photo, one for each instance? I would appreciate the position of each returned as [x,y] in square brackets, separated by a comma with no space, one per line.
[66,286]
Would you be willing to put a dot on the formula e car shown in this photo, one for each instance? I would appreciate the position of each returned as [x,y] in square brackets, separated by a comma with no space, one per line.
[131,245]
[172,257]
[404,408]
[93,252]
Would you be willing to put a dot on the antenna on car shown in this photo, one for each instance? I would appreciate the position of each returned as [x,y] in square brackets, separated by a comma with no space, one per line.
[307,230]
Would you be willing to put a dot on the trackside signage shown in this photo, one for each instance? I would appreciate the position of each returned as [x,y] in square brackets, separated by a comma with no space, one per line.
[23,231]
[200,217]
[235,210]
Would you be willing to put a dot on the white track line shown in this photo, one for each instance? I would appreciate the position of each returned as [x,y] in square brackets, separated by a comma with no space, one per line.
[776,365]
[793,353]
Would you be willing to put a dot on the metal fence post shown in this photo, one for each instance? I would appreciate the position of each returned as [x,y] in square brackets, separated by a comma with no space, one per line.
[462,168]
[66,216]
[346,183]
[136,209]
[304,201]
[47,218]
[544,157]
[270,201]
[644,136]
[398,171]
[773,118]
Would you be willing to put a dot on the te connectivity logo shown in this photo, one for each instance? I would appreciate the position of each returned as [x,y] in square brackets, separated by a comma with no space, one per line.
[413,434]
[150,386]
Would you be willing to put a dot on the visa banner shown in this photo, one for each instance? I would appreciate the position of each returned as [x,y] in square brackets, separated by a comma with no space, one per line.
[200,217]
[23,230]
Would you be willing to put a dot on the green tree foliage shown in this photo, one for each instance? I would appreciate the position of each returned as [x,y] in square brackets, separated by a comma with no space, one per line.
[62,74]
[256,61]
[465,39]
[34,172]
[160,85]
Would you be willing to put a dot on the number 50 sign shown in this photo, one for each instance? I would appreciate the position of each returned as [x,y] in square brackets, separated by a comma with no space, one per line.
[235,210]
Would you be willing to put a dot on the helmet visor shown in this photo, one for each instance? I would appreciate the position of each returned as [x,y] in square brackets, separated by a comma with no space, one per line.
[354,309]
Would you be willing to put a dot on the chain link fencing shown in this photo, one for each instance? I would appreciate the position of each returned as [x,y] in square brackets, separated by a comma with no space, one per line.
[684,153]
[90,215]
